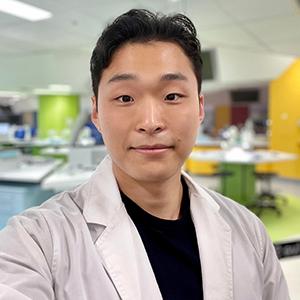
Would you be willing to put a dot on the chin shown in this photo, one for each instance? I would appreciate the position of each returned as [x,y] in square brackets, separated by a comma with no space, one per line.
[156,174]
[148,171]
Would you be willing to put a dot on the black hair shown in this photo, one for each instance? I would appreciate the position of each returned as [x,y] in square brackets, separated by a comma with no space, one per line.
[140,25]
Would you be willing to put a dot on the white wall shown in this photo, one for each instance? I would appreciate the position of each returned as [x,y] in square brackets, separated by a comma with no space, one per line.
[39,70]
[237,65]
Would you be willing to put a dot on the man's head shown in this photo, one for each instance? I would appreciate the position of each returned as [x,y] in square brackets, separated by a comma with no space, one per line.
[140,26]
[146,73]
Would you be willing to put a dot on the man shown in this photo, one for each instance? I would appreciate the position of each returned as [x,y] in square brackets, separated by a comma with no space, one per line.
[140,228]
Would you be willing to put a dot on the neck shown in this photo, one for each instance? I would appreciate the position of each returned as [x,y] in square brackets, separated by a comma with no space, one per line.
[161,199]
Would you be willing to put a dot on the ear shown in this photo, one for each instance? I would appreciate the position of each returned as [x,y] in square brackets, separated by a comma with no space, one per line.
[95,115]
[201,108]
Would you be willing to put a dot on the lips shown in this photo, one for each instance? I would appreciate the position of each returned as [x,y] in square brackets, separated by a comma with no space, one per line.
[152,149]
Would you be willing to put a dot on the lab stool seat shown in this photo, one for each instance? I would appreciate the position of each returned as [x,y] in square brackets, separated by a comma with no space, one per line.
[266,197]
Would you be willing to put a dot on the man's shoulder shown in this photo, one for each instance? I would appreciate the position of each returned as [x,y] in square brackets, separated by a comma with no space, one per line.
[76,212]
[227,208]
[243,222]
[244,225]
[56,223]
[231,210]
[55,214]
[227,204]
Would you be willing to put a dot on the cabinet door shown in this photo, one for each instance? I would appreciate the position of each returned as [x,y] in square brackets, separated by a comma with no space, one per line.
[284,115]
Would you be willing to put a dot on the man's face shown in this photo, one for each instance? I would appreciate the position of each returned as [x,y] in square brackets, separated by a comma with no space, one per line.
[149,110]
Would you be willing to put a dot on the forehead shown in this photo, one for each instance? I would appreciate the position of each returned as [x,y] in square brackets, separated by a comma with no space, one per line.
[149,59]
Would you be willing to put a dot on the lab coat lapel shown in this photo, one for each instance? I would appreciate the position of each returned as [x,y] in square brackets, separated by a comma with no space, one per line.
[126,260]
[118,243]
[215,247]
[123,254]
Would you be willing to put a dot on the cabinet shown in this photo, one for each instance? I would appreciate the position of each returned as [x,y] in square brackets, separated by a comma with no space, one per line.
[15,198]
[284,115]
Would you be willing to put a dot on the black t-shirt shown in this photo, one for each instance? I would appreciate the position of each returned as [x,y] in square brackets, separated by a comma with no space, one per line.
[172,249]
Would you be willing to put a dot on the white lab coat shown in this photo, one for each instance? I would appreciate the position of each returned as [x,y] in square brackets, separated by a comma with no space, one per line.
[83,245]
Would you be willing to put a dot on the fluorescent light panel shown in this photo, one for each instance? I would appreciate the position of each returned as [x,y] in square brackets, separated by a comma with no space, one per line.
[24,10]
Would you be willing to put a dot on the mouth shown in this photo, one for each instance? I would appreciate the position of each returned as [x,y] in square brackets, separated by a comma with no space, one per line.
[151,149]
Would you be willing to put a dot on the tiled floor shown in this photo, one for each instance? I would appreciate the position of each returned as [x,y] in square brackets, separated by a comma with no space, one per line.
[290,265]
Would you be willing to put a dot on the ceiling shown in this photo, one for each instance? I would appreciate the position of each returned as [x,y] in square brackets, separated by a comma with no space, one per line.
[271,26]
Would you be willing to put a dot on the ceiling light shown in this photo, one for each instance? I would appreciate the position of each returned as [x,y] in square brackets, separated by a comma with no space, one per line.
[10,94]
[60,88]
[54,89]
[24,10]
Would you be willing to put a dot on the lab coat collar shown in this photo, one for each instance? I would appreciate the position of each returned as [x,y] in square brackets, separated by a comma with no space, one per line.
[103,197]
[120,247]
[123,252]
[214,243]
[126,261]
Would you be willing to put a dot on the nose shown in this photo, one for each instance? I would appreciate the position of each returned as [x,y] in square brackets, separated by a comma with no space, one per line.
[150,120]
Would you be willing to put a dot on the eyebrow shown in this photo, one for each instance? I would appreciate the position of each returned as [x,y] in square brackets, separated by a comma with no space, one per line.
[129,76]
[122,77]
[173,76]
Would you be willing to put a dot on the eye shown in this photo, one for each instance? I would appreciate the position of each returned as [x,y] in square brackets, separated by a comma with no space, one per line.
[125,99]
[173,97]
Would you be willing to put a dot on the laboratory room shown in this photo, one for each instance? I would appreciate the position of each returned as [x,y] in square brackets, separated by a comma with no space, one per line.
[247,147]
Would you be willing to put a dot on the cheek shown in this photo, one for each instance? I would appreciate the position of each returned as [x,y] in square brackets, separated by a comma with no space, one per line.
[187,130]
[106,125]
[113,127]
[188,122]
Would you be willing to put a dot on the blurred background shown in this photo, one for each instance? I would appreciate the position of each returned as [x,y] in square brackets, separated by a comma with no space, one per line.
[247,149]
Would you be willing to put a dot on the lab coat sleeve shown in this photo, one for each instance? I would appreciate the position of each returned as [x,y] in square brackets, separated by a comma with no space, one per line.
[7,292]
[25,259]
[275,286]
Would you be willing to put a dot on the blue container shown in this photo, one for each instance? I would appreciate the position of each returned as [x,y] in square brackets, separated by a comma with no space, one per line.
[20,133]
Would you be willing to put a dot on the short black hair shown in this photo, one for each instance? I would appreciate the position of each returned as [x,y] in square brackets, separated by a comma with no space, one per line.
[138,26]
